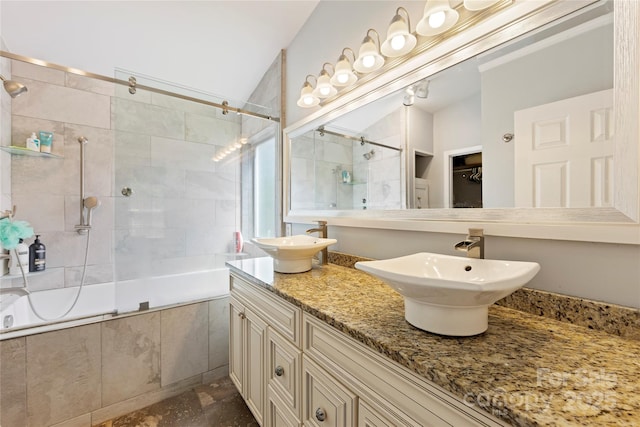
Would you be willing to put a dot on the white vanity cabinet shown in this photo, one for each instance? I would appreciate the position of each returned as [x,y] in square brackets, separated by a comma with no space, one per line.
[264,353]
[295,370]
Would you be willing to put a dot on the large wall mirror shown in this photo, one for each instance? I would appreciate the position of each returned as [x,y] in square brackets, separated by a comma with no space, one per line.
[531,127]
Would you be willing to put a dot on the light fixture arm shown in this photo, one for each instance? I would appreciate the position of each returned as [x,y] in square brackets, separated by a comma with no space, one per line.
[406,13]
[333,69]
[306,80]
[353,54]
[369,37]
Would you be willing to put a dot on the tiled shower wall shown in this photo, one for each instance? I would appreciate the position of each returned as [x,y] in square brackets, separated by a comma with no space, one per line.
[86,375]
[184,207]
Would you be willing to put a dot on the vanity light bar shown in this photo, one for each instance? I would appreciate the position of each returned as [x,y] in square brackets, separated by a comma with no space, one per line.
[438,18]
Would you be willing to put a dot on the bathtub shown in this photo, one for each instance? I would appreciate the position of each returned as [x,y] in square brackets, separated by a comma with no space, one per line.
[104,301]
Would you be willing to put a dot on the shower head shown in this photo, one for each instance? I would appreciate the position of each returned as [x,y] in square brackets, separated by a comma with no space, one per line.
[369,155]
[90,203]
[13,88]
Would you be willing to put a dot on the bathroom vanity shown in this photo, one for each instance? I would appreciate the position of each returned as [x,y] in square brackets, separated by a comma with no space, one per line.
[331,347]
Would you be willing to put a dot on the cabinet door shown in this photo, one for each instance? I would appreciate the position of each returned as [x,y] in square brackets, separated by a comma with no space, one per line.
[255,362]
[284,371]
[326,402]
[236,341]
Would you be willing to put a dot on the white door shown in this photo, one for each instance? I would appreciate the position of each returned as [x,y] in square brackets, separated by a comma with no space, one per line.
[564,153]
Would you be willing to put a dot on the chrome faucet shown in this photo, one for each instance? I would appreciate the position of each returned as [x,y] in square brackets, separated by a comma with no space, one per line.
[322,229]
[473,245]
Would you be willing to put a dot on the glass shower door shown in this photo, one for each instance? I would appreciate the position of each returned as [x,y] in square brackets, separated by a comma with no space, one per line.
[177,203]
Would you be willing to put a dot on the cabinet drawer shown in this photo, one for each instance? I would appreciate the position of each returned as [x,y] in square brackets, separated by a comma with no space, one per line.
[278,414]
[326,402]
[284,370]
[281,315]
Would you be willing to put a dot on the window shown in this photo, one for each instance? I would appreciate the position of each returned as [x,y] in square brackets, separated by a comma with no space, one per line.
[264,189]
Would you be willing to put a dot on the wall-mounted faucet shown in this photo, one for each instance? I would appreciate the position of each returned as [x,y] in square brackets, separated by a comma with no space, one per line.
[322,229]
[473,245]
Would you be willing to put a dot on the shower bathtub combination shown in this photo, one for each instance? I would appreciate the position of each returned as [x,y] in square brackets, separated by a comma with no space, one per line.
[140,270]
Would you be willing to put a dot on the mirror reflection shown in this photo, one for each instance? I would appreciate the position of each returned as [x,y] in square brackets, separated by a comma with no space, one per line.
[526,124]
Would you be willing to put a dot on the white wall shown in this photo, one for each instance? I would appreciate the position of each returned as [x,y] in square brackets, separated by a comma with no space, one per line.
[605,272]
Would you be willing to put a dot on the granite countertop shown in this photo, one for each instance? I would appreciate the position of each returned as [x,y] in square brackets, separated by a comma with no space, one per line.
[525,369]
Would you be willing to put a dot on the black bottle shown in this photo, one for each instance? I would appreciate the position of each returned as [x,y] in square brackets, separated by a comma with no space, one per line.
[37,252]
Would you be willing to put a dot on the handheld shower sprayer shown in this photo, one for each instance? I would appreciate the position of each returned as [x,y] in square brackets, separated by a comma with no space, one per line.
[90,203]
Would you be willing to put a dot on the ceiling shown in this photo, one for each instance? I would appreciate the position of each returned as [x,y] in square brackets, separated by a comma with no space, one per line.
[219,47]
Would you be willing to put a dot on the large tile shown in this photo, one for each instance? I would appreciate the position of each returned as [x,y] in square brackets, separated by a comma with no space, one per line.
[218,333]
[211,130]
[180,154]
[35,176]
[22,128]
[131,357]
[184,342]
[21,69]
[13,382]
[62,104]
[98,160]
[131,149]
[187,106]
[68,248]
[209,185]
[90,84]
[210,242]
[147,119]
[63,374]
[45,213]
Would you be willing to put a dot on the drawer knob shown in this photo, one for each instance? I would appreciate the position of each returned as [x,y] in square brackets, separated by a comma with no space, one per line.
[241,315]
[321,415]
[279,371]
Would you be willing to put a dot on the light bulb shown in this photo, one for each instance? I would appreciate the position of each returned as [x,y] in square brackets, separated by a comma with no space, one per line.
[325,91]
[436,19]
[342,78]
[308,100]
[397,42]
[368,61]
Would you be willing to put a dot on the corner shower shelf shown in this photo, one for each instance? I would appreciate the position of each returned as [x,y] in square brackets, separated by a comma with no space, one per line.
[23,151]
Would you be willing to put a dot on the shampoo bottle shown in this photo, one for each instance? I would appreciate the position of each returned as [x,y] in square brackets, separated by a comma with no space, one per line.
[37,252]
[33,143]
[22,258]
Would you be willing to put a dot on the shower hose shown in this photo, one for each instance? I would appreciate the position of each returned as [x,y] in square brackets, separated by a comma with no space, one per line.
[75,301]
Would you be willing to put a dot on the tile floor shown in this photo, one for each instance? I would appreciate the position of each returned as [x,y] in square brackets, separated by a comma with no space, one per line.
[214,405]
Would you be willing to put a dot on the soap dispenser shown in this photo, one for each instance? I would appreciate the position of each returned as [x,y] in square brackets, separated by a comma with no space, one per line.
[33,143]
[37,252]
[19,256]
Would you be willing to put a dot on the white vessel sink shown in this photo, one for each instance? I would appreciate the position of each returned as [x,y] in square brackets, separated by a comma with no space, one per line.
[292,254]
[450,295]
